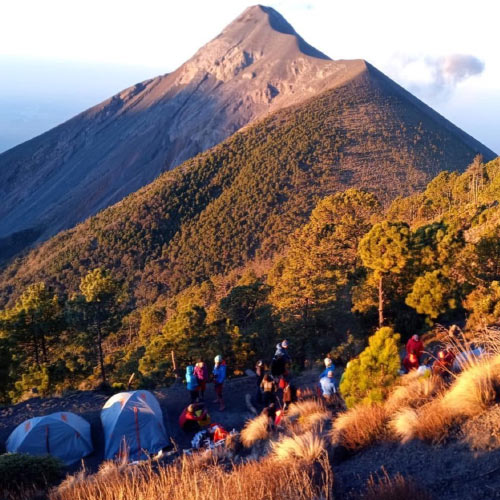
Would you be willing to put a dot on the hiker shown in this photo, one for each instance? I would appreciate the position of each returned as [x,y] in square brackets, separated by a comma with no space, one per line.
[454,333]
[280,360]
[328,389]
[201,373]
[268,386]
[415,346]
[219,375]
[289,395]
[444,363]
[194,418]
[259,372]
[192,383]
[411,362]
[329,367]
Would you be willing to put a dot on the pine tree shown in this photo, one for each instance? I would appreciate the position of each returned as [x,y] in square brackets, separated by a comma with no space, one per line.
[385,249]
[100,291]
[369,376]
[433,294]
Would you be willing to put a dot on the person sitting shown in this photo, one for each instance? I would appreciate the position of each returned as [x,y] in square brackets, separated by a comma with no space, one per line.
[410,362]
[268,387]
[444,363]
[415,346]
[194,417]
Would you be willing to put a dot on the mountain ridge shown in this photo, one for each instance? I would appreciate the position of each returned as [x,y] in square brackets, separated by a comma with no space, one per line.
[112,149]
[241,199]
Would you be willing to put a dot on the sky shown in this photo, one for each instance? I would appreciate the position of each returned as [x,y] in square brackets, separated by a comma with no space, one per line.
[59,57]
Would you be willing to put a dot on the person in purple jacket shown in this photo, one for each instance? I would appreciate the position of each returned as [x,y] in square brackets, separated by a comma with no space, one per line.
[201,373]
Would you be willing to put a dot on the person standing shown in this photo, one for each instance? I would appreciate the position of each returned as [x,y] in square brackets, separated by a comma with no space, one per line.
[192,383]
[201,373]
[268,389]
[219,375]
[259,372]
[281,359]
[328,389]
[415,346]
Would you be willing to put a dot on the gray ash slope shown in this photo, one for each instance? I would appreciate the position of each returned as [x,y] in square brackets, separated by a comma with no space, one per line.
[256,66]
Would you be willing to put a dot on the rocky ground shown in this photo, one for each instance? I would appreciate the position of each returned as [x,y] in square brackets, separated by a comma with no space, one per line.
[447,472]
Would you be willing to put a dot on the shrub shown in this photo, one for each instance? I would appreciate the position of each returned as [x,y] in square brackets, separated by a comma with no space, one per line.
[20,471]
[368,378]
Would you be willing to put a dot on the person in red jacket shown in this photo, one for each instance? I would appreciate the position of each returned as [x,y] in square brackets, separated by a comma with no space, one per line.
[410,362]
[415,346]
[444,363]
[194,417]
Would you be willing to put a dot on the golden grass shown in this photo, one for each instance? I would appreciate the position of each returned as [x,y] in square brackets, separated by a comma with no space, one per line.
[307,415]
[185,479]
[413,392]
[396,488]
[473,391]
[359,427]
[475,388]
[429,422]
[255,429]
[307,447]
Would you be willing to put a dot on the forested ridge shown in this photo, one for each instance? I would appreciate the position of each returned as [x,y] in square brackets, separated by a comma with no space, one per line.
[241,200]
[226,254]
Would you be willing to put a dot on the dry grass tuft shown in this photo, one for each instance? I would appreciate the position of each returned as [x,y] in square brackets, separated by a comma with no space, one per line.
[359,427]
[307,415]
[430,422]
[413,392]
[307,447]
[475,388]
[293,480]
[396,488]
[255,430]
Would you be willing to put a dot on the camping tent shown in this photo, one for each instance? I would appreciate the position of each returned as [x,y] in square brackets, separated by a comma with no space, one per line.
[63,435]
[133,424]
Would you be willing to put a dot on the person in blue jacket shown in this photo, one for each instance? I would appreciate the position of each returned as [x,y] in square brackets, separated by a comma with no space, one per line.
[192,383]
[329,367]
[328,389]
[219,375]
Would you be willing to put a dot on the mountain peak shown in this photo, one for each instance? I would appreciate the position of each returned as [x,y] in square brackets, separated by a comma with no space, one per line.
[259,21]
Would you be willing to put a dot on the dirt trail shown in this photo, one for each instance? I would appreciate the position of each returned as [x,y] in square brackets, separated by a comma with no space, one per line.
[173,400]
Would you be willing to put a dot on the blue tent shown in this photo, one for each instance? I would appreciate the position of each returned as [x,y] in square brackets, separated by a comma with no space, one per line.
[63,435]
[133,425]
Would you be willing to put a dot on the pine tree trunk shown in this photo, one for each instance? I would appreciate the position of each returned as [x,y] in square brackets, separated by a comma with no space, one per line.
[101,357]
[380,302]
